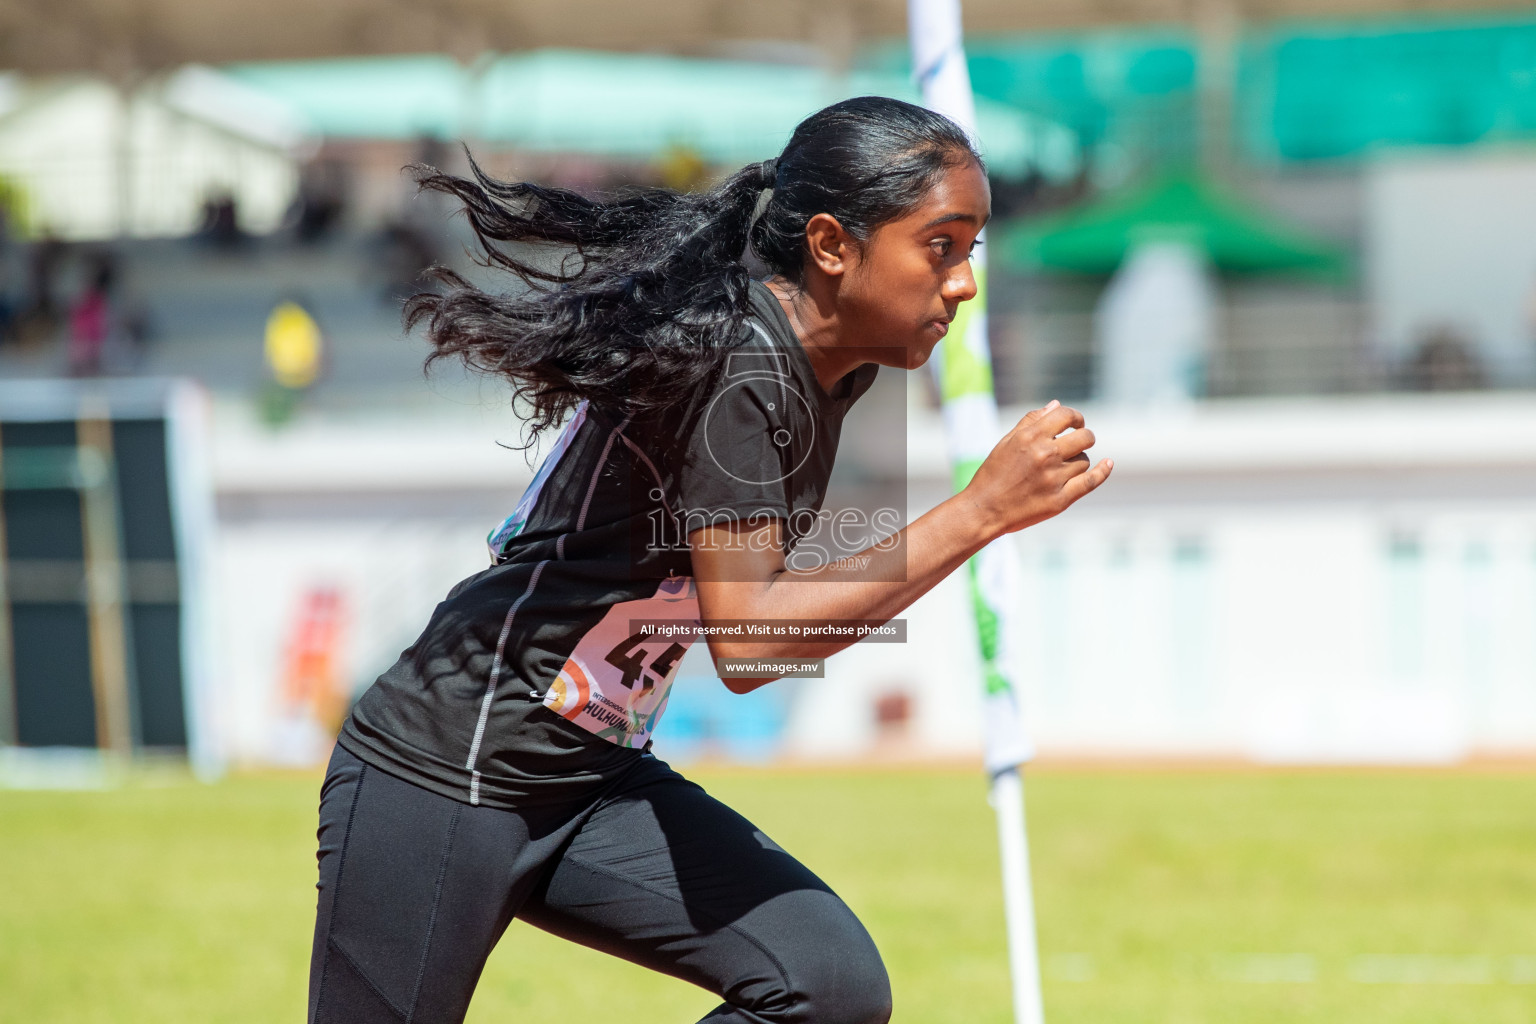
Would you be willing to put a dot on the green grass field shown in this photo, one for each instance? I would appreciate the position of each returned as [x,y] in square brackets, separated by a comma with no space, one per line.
[1178,897]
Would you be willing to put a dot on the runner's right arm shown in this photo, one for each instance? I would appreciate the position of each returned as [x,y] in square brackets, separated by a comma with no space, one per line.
[1038,470]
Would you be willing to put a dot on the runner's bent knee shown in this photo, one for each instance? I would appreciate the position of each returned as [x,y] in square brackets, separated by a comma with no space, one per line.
[832,973]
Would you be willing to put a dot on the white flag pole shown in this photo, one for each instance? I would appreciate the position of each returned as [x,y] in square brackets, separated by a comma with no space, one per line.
[1018,897]
[963,367]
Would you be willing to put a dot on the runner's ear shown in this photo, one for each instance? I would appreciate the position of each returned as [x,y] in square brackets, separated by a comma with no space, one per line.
[828,244]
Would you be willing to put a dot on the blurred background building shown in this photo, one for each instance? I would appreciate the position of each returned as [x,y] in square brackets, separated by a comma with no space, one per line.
[1284,257]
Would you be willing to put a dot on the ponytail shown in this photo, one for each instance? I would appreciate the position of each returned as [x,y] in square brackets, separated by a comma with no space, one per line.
[649,288]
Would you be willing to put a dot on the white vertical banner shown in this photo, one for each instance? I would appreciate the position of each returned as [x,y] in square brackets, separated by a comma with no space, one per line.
[962,365]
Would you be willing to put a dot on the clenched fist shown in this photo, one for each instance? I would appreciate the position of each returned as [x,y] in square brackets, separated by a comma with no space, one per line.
[1037,470]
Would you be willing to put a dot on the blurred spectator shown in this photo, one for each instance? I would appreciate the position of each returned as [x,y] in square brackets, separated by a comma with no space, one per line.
[130,328]
[1444,361]
[39,313]
[683,169]
[431,151]
[409,241]
[91,318]
[10,277]
[1035,194]
[221,221]
[1155,326]
[1016,197]
[321,201]
[407,250]
[295,350]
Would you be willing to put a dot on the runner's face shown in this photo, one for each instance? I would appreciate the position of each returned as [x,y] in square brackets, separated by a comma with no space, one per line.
[905,283]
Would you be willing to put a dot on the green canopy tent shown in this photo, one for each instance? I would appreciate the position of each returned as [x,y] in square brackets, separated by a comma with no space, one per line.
[1094,239]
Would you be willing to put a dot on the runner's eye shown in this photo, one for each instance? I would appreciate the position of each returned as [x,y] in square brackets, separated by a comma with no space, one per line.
[941,246]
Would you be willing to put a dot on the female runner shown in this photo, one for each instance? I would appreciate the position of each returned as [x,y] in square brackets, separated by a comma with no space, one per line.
[501,767]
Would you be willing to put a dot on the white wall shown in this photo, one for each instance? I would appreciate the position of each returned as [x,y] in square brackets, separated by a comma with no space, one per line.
[1321,580]
[1330,580]
[391,510]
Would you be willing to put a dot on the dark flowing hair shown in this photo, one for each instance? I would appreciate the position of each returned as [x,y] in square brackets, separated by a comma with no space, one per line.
[649,286]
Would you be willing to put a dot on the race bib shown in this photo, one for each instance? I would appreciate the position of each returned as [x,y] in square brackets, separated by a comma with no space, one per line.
[616,682]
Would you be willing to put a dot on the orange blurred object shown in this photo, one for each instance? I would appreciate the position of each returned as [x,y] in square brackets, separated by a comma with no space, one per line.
[312,681]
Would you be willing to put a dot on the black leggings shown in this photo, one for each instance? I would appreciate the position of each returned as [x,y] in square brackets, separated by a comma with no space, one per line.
[416,888]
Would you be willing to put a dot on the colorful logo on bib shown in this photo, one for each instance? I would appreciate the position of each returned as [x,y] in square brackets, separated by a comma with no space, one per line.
[570,692]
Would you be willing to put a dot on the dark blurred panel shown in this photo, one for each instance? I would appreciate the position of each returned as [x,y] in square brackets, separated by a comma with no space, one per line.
[22,435]
[143,488]
[157,665]
[42,523]
[149,546]
[54,703]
